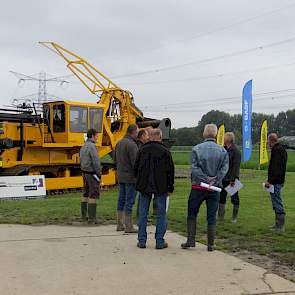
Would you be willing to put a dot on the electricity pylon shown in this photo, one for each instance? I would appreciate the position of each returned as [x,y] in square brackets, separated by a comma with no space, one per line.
[42,79]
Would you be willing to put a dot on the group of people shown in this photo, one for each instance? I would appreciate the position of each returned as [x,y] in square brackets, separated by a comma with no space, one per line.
[145,166]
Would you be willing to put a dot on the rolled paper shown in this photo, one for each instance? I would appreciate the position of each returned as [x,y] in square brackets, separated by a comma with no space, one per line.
[211,187]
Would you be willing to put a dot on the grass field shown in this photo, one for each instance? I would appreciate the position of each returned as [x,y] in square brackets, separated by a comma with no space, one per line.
[250,233]
[181,156]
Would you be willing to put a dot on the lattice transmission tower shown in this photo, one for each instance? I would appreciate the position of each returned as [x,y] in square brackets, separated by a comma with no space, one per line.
[42,78]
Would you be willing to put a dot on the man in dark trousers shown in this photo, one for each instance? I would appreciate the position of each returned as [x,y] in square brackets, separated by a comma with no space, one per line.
[154,170]
[276,177]
[209,166]
[125,155]
[229,179]
[91,170]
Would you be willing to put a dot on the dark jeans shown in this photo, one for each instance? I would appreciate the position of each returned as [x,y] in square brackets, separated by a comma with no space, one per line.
[235,199]
[126,198]
[276,199]
[195,201]
[161,225]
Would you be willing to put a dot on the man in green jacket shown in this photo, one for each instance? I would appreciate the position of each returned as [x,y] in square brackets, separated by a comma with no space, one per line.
[91,170]
[125,155]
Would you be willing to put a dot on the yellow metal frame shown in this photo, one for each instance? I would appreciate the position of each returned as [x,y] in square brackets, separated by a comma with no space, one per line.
[83,70]
[96,82]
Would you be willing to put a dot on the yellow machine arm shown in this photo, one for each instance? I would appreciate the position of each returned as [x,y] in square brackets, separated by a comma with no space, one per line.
[95,81]
[119,107]
[91,77]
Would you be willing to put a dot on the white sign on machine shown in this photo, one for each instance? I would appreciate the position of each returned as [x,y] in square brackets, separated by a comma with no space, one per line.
[29,186]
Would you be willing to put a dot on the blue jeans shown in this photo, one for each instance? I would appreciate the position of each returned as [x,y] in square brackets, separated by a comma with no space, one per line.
[161,225]
[276,199]
[126,198]
[195,201]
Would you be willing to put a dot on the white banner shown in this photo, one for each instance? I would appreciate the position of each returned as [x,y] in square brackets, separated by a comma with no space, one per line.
[29,186]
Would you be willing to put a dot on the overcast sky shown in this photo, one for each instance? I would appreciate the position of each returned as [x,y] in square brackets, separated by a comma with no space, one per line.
[125,37]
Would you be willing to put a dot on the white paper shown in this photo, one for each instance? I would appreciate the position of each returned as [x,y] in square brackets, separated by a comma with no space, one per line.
[231,190]
[271,189]
[211,187]
[96,177]
[167,204]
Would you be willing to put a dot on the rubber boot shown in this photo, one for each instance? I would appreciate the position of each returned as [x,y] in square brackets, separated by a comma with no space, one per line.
[84,211]
[191,234]
[211,232]
[281,223]
[275,225]
[129,229]
[92,213]
[235,214]
[120,221]
[221,212]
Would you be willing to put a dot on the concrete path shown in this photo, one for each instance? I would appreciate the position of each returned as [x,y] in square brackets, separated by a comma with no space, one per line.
[97,260]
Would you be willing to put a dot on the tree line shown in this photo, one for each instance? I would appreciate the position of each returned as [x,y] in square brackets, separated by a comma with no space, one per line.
[283,124]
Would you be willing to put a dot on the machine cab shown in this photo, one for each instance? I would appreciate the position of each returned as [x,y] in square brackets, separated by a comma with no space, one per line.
[68,121]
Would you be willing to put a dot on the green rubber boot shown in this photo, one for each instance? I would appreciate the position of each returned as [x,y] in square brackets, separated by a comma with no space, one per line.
[221,212]
[84,211]
[211,233]
[235,214]
[92,213]
[191,234]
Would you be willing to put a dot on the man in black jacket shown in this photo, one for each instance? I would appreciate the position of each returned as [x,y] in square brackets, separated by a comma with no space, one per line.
[276,177]
[154,170]
[233,173]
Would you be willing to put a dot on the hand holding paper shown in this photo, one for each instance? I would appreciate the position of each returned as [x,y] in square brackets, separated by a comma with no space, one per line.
[232,189]
[269,188]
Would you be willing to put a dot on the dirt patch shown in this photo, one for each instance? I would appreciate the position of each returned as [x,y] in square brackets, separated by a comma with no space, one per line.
[271,264]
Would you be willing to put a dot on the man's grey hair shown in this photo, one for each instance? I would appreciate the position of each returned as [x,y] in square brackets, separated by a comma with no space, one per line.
[210,131]
[155,134]
[231,136]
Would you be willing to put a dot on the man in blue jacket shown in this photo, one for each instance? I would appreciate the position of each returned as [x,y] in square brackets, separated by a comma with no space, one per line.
[209,165]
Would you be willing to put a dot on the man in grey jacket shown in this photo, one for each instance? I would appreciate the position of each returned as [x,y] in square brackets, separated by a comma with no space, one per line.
[91,170]
[209,165]
[125,155]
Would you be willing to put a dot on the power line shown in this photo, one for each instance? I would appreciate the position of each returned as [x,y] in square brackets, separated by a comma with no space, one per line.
[221,75]
[206,60]
[213,31]
[204,109]
[179,104]
[239,22]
